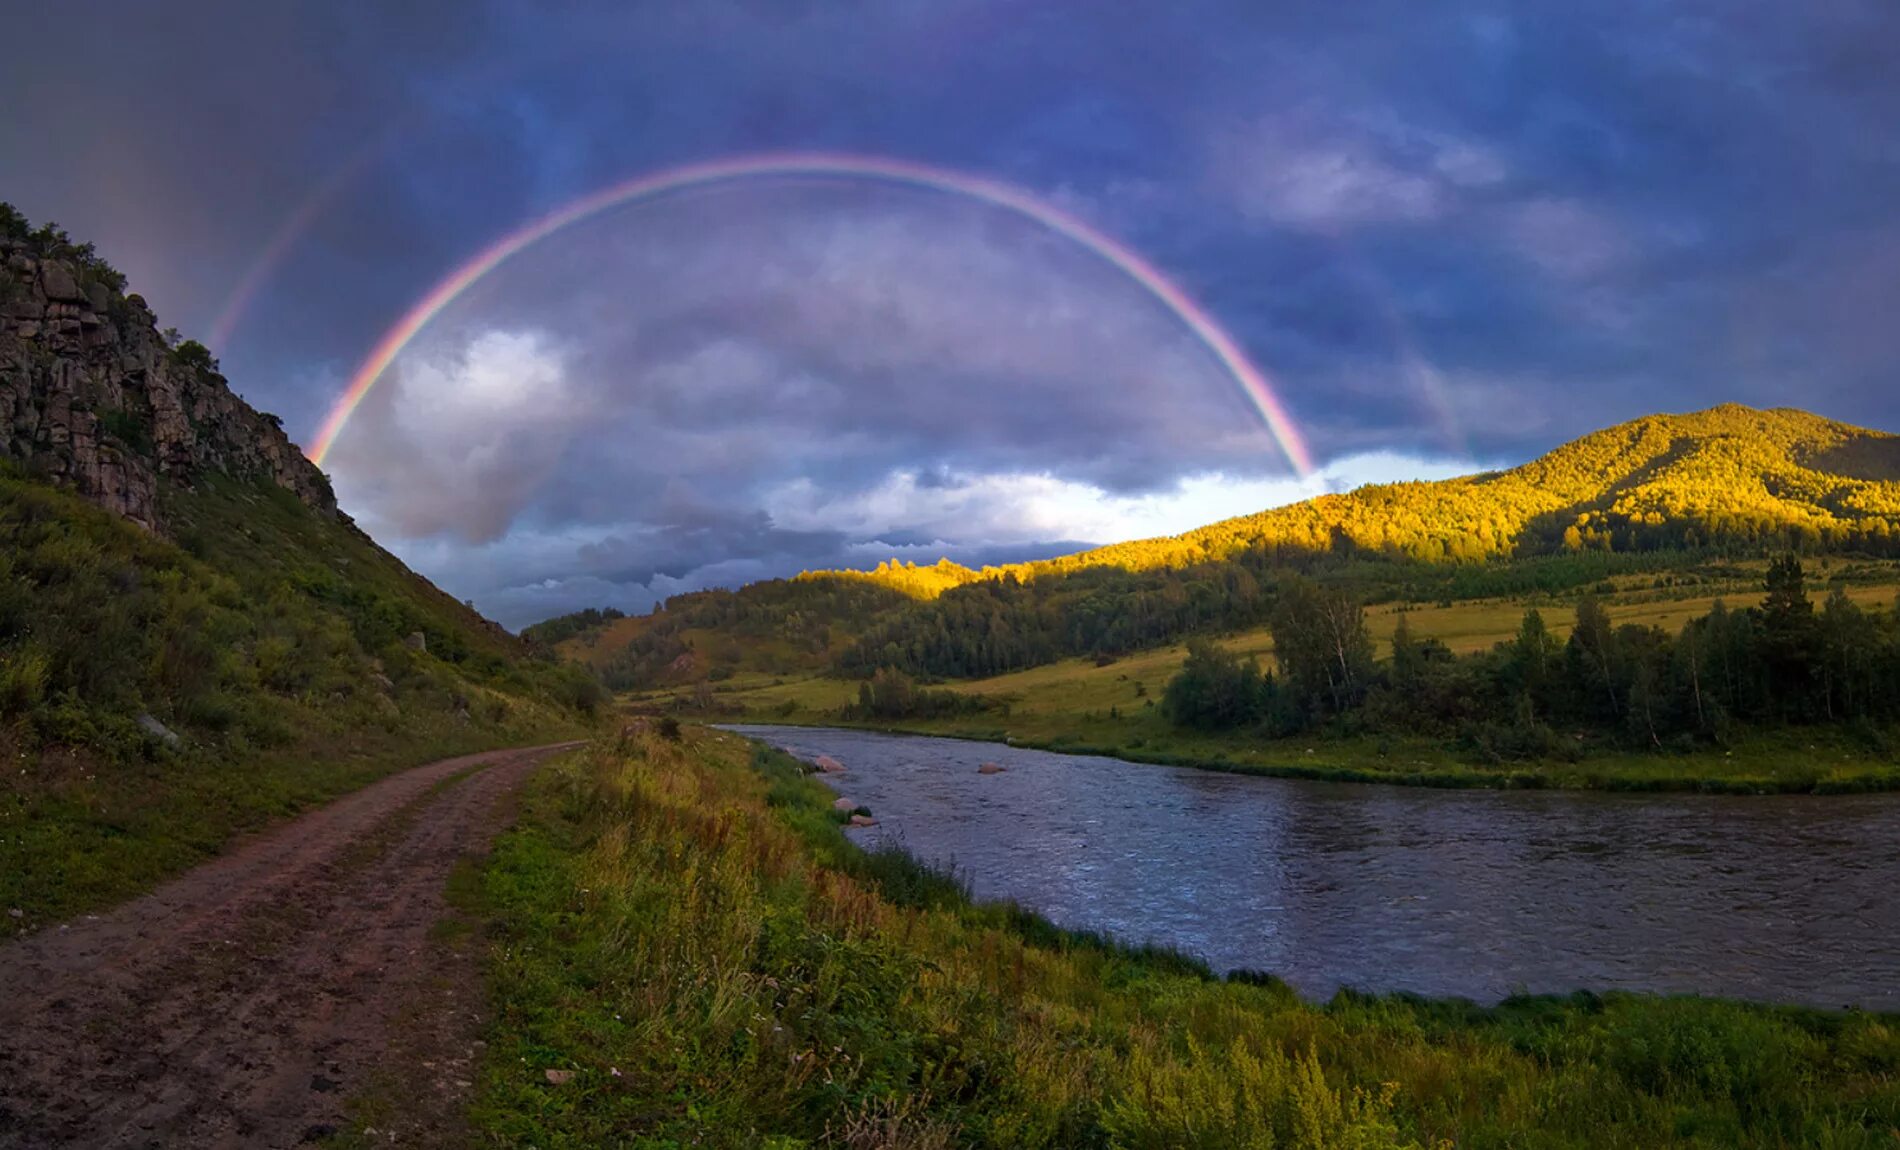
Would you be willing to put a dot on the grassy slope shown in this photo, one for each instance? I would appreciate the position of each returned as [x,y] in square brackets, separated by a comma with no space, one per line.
[686,934]
[270,640]
[1078,706]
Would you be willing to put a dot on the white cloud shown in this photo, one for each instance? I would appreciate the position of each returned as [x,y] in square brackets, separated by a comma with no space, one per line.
[1567,238]
[457,440]
[1327,174]
[1025,507]
[1469,165]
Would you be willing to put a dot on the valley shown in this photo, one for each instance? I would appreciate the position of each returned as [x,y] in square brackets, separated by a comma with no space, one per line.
[949,576]
[1112,706]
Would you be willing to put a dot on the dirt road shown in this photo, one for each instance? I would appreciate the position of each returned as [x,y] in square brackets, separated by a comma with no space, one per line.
[240,1004]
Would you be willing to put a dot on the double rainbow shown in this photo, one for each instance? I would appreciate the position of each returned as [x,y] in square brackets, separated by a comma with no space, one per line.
[1252,381]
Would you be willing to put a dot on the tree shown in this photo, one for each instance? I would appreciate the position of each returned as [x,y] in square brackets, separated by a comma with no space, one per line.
[1790,639]
[1593,657]
[1692,662]
[1214,689]
[1528,662]
[1847,649]
[1319,636]
[1408,656]
[1787,604]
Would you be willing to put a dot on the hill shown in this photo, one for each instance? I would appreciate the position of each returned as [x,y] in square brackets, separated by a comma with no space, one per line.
[774,627]
[1667,493]
[1733,476]
[193,638]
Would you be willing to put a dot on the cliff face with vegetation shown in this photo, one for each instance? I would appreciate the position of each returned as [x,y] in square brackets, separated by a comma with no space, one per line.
[94,398]
[243,651]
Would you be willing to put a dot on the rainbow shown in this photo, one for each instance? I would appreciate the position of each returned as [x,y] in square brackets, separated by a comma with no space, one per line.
[278,248]
[1252,381]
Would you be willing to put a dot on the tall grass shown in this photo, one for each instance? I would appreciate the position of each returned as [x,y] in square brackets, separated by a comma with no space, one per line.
[683,926]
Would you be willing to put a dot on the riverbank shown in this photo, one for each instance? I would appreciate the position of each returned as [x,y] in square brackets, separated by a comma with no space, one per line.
[689,950]
[1469,893]
[1819,762]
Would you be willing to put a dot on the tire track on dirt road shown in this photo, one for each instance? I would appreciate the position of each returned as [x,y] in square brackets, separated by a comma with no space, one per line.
[239,1004]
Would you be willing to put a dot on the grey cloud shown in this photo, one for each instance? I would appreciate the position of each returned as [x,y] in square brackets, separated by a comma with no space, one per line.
[732,343]
[677,552]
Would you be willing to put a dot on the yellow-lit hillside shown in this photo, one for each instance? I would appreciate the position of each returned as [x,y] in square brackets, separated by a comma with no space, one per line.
[1729,474]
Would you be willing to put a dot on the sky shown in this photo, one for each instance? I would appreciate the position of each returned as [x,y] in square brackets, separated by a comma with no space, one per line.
[1448,237]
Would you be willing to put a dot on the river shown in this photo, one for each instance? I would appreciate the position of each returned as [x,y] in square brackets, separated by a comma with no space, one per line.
[1475,894]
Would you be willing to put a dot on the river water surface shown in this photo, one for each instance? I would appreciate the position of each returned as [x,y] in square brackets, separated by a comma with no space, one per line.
[1468,893]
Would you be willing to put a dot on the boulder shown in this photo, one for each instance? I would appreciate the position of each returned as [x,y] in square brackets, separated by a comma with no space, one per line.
[416,641]
[863,821]
[157,730]
[845,806]
[990,769]
[828,765]
[57,283]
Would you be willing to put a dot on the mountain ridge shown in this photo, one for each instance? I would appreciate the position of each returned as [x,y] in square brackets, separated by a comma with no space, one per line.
[1575,485]
[1729,479]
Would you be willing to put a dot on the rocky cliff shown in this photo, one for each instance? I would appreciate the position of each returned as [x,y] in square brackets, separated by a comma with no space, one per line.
[94,398]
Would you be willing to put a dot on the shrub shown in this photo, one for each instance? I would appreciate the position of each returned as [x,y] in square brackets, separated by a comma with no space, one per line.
[23,674]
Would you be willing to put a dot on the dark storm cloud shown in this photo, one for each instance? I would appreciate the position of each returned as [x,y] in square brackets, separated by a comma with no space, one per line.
[1470,227]
[691,536]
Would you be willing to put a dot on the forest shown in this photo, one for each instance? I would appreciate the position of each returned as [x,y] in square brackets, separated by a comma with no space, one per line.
[1782,662]
[778,626]
[550,632]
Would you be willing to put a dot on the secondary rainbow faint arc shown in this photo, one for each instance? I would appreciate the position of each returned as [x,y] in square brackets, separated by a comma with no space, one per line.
[1205,328]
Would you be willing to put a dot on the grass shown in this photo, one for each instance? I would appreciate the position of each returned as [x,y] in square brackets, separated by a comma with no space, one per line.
[1081,707]
[685,938]
[268,638]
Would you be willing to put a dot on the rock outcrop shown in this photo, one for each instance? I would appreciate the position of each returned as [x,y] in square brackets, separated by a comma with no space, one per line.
[92,397]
